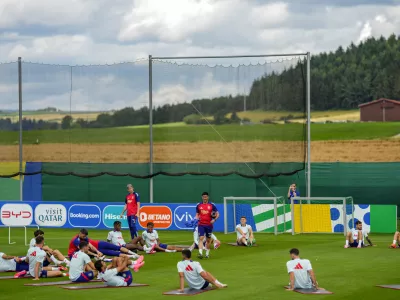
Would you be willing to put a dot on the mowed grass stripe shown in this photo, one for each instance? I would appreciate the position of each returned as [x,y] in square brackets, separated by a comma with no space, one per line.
[267,132]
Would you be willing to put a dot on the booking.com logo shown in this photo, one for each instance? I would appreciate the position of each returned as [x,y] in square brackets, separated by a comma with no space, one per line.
[84,215]
[111,213]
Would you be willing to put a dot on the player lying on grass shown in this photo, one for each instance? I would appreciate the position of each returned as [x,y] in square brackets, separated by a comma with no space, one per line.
[301,274]
[117,273]
[10,263]
[196,238]
[150,237]
[115,237]
[82,268]
[396,240]
[207,214]
[244,232]
[35,257]
[98,248]
[52,255]
[194,274]
[355,238]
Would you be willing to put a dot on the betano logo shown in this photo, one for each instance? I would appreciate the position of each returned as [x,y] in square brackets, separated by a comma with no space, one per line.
[161,216]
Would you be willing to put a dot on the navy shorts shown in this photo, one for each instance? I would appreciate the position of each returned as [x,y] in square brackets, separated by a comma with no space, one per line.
[127,275]
[163,246]
[22,266]
[43,274]
[205,230]
[354,244]
[85,277]
[46,263]
[206,284]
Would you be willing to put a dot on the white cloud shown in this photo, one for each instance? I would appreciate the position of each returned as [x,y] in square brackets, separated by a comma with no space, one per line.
[366,32]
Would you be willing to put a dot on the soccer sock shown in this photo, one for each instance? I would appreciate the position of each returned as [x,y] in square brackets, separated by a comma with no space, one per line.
[54,269]
[66,261]
[217,282]
[245,242]
[207,252]
[23,258]
[170,251]
[201,251]
[347,242]
[107,259]
[134,255]
[55,260]
[130,252]
[394,242]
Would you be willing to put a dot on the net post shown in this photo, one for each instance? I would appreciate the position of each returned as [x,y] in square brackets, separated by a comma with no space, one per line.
[225,217]
[234,213]
[308,126]
[25,234]
[301,216]
[151,126]
[20,127]
[344,217]
[292,213]
[275,217]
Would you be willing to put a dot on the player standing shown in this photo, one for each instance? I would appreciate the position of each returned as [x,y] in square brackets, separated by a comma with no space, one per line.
[132,207]
[300,272]
[194,274]
[245,235]
[207,213]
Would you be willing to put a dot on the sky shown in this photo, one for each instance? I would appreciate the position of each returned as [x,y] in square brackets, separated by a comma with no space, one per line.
[99,32]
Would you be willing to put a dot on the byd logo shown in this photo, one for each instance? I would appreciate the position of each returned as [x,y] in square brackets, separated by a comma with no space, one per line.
[161,216]
[183,214]
[16,214]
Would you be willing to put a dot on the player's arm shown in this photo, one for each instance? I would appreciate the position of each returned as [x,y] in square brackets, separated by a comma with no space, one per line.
[313,279]
[36,271]
[291,281]
[124,210]
[181,282]
[94,250]
[251,235]
[197,217]
[137,203]
[109,237]
[216,213]
[8,257]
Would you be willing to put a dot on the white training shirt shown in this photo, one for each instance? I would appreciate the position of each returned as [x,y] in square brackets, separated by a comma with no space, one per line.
[111,278]
[191,270]
[35,255]
[150,238]
[300,268]
[116,238]
[32,243]
[245,229]
[355,235]
[196,237]
[77,265]
[7,264]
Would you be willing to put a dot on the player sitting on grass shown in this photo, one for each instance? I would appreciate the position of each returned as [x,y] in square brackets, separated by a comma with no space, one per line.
[301,274]
[12,263]
[194,274]
[355,238]
[196,238]
[396,240]
[244,232]
[35,258]
[82,268]
[115,237]
[207,214]
[117,273]
[52,255]
[150,237]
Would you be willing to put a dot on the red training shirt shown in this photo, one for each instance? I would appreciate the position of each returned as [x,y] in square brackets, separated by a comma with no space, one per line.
[131,201]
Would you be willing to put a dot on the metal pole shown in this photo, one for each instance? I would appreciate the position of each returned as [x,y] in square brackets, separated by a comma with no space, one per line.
[20,127]
[229,56]
[151,123]
[308,125]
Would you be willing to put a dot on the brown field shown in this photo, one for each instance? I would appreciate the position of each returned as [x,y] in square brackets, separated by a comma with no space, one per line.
[322,151]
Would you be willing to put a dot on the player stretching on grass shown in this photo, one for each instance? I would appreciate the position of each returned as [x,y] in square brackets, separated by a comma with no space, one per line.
[132,207]
[10,263]
[195,245]
[52,255]
[194,274]
[245,235]
[207,214]
[355,238]
[396,240]
[81,268]
[117,273]
[300,272]
[115,237]
[150,237]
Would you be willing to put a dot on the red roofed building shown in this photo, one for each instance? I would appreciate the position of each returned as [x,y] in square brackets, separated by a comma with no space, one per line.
[381,110]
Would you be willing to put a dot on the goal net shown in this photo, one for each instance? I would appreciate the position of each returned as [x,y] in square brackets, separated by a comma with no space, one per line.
[322,215]
[264,214]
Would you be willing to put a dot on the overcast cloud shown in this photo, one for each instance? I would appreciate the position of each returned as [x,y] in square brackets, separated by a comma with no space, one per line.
[84,32]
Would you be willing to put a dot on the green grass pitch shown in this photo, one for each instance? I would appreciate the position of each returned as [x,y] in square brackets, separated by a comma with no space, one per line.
[251,273]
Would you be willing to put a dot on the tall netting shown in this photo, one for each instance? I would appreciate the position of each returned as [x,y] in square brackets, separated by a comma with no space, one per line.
[230,116]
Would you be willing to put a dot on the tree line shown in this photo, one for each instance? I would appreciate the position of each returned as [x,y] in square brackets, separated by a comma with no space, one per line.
[342,79]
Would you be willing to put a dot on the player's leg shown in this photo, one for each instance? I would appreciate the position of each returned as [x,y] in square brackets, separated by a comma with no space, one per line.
[349,239]
[360,241]
[208,246]
[58,258]
[396,240]
[201,230]
[174,248]
[241,241]
[213,280]
[114,250]
[50,274]
[132,226]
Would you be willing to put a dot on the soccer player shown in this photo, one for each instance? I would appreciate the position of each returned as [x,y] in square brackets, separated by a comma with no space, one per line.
[293,192]
[396,240]
[150,237]
[115,237]
[355,237]
[82,268]
[300,272]
[117,273]
[75,241]
[194,274]
[35,258]
[244,232]
[207,213]
[53,255]
[10,263]
[195,245]
[132,207]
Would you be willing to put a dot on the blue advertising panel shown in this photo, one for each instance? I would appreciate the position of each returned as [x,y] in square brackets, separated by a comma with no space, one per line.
[98,215]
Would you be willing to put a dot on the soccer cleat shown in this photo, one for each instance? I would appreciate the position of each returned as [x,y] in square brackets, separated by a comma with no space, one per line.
[346,246]
[20,274]
[200,256]
[138,266]
[207,256]
[62,268]
[140,259]
[217,244]
[394,246]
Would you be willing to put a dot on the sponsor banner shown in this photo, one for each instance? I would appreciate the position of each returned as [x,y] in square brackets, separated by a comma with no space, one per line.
[50,215]
[184,214]
[16,214]
[161,216]
[112,213]
[84,215]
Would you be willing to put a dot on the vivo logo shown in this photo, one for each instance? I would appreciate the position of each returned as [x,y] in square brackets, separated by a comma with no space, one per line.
[183,214]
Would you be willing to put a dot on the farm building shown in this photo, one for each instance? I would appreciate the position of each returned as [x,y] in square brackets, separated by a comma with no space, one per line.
[381,110]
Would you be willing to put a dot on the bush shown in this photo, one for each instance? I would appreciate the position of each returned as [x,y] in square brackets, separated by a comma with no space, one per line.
[192,119]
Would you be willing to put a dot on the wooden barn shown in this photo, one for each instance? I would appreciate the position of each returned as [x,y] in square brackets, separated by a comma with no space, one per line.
[381,110]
